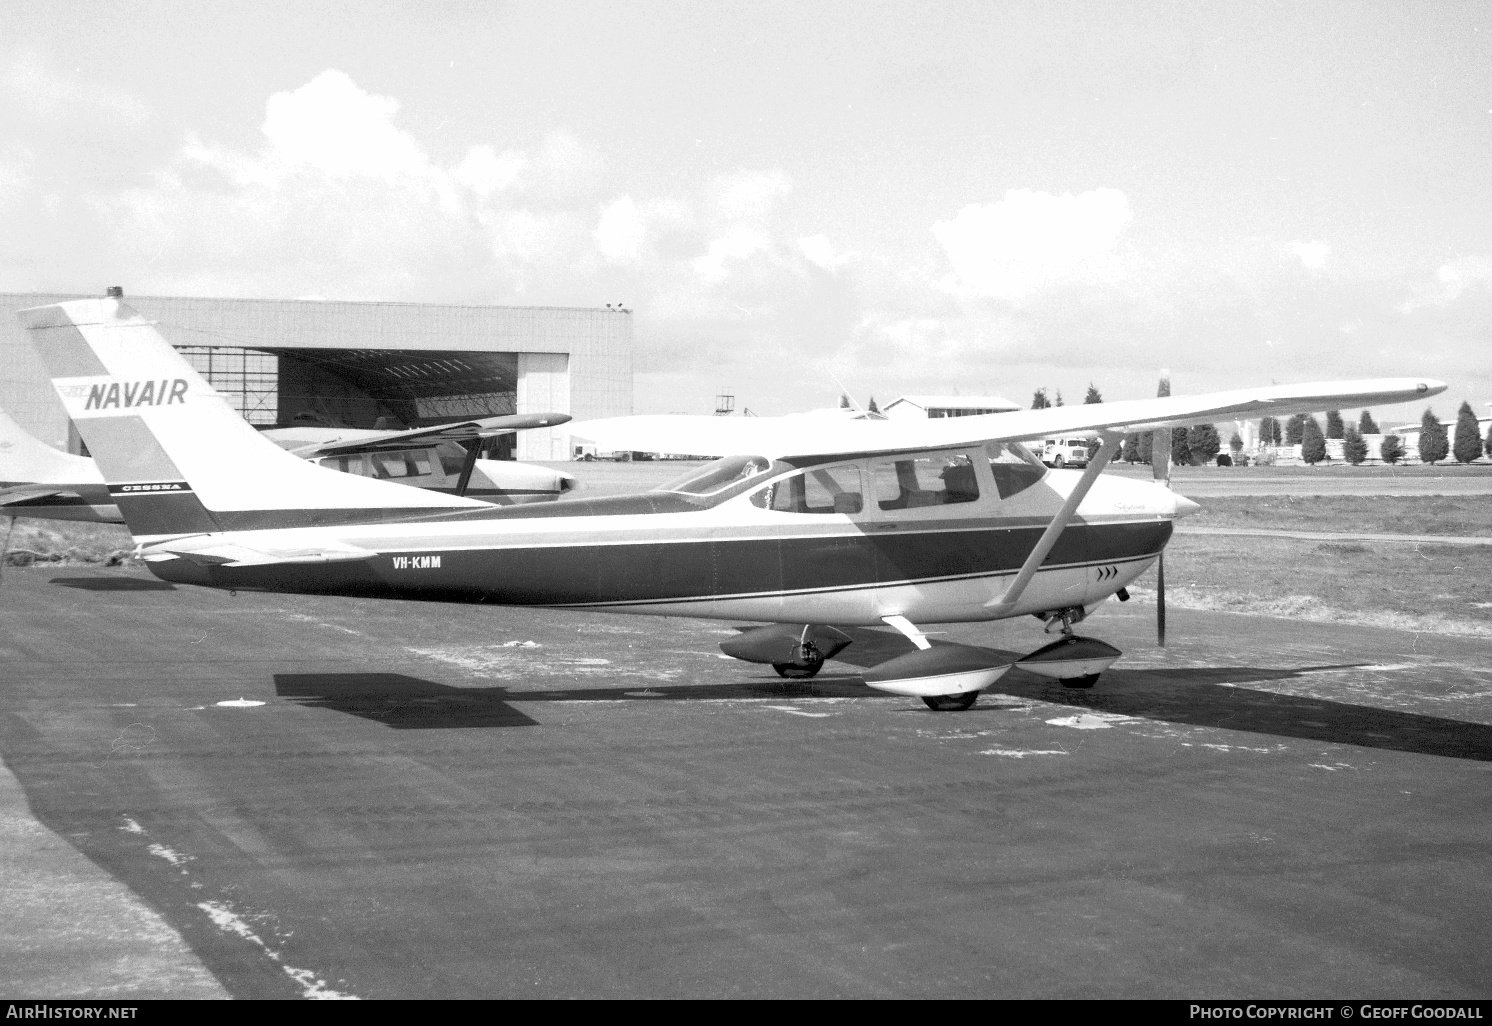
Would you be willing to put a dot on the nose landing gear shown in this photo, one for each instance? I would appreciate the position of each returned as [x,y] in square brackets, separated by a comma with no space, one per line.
[1073,661]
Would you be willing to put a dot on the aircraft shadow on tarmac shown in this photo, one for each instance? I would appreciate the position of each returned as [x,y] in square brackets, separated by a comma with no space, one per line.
[101,583]
[1213,697]
[402,702]
[1194,696]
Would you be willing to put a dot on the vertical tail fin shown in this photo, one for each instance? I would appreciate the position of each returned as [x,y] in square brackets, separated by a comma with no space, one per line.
[176,456]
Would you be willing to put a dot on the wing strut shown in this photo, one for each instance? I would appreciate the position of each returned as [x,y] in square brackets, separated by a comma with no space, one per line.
[473,448]
[1111,443]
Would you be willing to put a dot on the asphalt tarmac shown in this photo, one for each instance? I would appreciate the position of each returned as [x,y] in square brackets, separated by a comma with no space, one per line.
[315,797]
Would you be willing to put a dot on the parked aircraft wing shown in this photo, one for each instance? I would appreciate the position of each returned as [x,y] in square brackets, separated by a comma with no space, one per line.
[782,437]
[24,458]
[350,443]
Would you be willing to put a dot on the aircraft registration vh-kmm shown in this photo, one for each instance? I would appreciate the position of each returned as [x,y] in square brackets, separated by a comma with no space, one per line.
[806,525]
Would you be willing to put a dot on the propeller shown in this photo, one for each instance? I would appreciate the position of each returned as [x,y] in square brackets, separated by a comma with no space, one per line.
[5,545]
[1160,466]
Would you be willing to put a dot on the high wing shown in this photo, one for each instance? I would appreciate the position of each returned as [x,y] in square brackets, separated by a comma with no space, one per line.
[776,437]
[348,443]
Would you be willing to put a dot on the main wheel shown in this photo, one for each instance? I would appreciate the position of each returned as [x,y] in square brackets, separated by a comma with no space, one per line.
[792,671]
[951,703]
[1086,681]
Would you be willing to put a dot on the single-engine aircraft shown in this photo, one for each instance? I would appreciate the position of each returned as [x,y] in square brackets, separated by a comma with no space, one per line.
[805,528]
[39,481]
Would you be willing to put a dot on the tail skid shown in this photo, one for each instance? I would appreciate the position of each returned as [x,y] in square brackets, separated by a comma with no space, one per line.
[176,457]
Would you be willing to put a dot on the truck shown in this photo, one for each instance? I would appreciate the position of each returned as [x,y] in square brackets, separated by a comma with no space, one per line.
[1061,452]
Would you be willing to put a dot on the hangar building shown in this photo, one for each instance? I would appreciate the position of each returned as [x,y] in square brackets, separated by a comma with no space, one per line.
[364,365]
[917,407]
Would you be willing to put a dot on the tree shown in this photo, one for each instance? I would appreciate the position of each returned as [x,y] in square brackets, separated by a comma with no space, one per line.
[1333,424]
[844,401]
[872,408]
[1236,444]
[1131,451]
[1468,435]
[1059,398]
[1181,456]
[1354,448]
[1366,425]
[1391,450]
[1312,442]
[1433,443]
[1145,445]
[1203,443]
[1039,401]
[1269,431]
[1295,429]
[1489,440]
[1092,396]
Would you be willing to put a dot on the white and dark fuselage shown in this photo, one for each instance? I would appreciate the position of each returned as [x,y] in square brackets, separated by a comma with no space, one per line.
[729,554]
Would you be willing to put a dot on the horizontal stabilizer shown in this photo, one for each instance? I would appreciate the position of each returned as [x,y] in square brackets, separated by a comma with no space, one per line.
[212,553]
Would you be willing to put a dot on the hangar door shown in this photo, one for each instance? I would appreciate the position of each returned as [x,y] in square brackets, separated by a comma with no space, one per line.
[544,387]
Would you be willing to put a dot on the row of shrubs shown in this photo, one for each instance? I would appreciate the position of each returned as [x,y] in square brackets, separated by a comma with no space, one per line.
[1200,444]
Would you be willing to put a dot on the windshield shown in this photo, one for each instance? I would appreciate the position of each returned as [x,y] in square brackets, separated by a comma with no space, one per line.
[720,479]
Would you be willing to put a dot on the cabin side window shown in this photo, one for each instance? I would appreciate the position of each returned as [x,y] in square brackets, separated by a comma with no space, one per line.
[925,481]
[411,463]
[820,490]
[1013,467]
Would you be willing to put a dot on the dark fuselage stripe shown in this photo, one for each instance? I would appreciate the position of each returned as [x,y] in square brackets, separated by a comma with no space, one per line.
[662,571]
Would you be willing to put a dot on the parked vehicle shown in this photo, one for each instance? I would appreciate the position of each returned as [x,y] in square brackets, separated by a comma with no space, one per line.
[1062,452]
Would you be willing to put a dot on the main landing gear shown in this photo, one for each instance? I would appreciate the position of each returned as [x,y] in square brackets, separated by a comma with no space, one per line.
[795,652]
[951,703]
[948,677]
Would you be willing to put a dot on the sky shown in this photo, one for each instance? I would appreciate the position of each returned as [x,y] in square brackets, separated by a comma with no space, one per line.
[898,198]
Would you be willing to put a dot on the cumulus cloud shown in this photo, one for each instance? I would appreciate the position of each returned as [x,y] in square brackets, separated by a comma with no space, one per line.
[485,172]
[738,244]
[1013,249]
[1311,255]
[819,251]
[1452,280]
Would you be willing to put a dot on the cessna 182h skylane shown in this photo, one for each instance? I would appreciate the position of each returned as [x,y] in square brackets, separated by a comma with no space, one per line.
[801,525]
